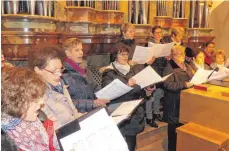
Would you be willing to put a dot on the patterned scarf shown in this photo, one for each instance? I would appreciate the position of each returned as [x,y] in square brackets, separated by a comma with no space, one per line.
[124,69]
[28,136]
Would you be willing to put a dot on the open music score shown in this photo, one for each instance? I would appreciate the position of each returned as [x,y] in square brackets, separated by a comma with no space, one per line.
[113,90]
[148,77]
[144,54]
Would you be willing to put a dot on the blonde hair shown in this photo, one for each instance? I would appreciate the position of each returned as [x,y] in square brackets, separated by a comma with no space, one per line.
[126,26]
[70,43]
[219,52]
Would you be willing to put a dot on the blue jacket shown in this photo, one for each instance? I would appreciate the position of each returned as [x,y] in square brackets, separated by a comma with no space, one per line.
[81,92]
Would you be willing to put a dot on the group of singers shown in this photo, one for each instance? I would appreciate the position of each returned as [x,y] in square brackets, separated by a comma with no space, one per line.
[58,88]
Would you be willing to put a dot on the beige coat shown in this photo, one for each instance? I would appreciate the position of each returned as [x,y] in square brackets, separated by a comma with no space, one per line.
[59,108]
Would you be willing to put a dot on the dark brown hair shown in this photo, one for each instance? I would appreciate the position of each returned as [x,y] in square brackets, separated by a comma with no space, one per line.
[197,51]
[19,88]
[43,55]
[156,27]
[208,43]
[118,50]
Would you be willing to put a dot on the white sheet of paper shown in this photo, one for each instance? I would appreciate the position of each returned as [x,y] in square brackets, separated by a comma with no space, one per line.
[113,90]
[200,76]
[98,132]
[142,54]
[151,44]
[162,50]
[126,107]
[227,63]
[221,74]
[148,77]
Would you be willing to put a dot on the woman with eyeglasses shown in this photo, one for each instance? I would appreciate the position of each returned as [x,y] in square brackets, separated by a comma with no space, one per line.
[80,83]
[181,73]
[22,96]
[120,69]
[58,104]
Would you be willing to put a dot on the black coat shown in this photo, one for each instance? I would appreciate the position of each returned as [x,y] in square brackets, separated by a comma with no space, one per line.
[173,87]
[136,123]
[7,144]
[111,74]
[159,63]
[81,92]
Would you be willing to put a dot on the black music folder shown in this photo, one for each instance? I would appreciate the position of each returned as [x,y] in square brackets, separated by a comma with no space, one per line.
[73,126]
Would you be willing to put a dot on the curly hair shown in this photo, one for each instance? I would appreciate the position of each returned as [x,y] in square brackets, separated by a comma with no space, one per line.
[41,57]
[219,52]
[19,88]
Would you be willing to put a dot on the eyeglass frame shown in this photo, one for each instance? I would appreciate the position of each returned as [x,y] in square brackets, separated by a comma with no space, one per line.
[56,72]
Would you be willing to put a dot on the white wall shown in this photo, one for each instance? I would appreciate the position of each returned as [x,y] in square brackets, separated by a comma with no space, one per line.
[219,21]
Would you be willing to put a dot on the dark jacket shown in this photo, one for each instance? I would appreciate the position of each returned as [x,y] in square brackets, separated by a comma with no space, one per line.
[111,74]
[7,144]
[81,92]
[159,63]
[173,87]
[136,122]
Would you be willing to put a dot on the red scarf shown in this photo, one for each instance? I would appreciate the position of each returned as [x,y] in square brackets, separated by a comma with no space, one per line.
[48,124]
[75,66]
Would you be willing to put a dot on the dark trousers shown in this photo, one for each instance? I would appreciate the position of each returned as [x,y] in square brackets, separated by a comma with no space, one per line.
[131,142]
[172,136]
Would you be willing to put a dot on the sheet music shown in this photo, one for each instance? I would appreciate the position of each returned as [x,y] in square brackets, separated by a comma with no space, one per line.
[151,44]
[162,50]
[142,54]
[114,90]
[148,77]
[201,76]
[227,63]
[98,132]
[126,108]
[221,74]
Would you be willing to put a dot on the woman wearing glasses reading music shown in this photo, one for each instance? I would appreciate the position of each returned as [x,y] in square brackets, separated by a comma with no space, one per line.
[58,104]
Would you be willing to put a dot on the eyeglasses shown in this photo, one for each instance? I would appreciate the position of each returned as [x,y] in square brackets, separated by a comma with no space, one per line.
[160,32]
[124,54]
[56,72]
